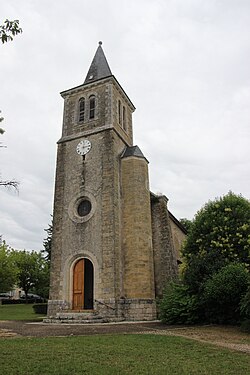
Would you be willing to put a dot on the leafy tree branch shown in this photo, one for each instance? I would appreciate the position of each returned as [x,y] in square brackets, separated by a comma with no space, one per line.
[7,183]
[9,29]
[10,184]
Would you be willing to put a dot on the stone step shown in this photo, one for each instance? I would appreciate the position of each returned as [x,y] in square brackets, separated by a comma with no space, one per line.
[77,316]
[74,321]
[72,317]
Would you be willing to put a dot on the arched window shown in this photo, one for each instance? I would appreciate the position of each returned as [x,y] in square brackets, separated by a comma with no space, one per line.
[81,109]
[124,124]
[119,112]
[92,106]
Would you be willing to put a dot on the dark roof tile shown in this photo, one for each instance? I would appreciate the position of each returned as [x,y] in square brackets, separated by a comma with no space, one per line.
[133,151]
[99,67]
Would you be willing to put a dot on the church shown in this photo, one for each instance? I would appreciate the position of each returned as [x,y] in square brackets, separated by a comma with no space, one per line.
[115,245]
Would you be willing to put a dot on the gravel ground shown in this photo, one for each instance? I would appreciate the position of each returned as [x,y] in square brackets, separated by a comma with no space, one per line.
[30,329]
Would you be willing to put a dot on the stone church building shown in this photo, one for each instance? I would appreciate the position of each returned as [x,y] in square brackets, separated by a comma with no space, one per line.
[115,244]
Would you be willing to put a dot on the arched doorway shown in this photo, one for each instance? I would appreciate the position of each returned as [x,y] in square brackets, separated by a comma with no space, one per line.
[83,282]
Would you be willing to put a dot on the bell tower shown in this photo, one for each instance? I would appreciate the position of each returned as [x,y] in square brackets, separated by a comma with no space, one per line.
[102,245]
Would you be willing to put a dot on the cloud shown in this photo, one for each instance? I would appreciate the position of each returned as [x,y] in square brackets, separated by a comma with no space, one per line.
[185,66]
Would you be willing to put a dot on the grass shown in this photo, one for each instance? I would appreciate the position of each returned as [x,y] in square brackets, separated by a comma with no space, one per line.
[112,354]
[18,312]
[118,354]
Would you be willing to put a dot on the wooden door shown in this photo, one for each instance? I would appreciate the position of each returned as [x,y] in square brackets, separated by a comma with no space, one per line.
[78,285]
[83,284]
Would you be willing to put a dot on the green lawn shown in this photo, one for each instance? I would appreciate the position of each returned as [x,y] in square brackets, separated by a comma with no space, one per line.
[118,354]
[18,312]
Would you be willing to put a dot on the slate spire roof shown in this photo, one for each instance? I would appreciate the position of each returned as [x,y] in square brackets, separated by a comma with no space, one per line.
[99,67]
[133,151]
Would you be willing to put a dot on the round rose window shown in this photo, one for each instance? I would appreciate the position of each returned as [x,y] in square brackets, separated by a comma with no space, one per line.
[84,208]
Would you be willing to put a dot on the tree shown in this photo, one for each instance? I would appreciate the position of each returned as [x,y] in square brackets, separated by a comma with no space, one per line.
[47,242]
[41,287]
[199,268]
[215,278]
[9,29]
[8,271]
[186,223]
[10,184]
[31,269]
[1,130]
[220,234]
[245,311]
[7,183]
[223,292]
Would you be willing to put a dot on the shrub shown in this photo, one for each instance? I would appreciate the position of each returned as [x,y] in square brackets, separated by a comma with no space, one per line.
[178,306]
[223,292]
[222,225]
[200,267]
[219,235]
[13,301]
[40,308]
[245,325]
[245,305]
[245,311]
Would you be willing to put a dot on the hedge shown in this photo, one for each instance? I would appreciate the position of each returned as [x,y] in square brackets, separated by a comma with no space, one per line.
[40,308]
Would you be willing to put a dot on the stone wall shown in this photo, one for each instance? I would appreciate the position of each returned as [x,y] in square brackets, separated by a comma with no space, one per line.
[137,251]
[138,309]
[179,235]
[165,261]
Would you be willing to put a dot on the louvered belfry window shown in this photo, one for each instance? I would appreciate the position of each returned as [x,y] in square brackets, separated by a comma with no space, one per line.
[124,119]
[119,113]
[81,109]
[92,106]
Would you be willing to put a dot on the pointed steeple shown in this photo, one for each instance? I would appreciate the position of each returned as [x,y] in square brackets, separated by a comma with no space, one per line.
[99,67]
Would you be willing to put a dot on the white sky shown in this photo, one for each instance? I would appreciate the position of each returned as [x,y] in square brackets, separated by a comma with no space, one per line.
[185,64]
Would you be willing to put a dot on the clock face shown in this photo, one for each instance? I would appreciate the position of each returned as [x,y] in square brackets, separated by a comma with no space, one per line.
[83,147]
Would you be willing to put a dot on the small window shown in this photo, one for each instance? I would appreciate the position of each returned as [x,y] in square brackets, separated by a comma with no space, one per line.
[81,109]
[124,124]
[84,207]
[119,113]
[92,107]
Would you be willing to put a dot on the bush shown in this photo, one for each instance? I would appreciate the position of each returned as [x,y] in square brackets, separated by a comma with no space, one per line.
[178,306]
[200,267]
[245,325]
[245,311]
[14,301]
[219,235]
[32,298]
[223,226]
[40,308]
[223,292]
[245,305]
